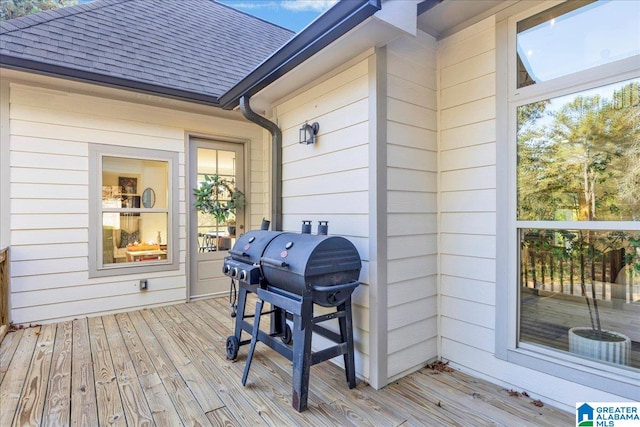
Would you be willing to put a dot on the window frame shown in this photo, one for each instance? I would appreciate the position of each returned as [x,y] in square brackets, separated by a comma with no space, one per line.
[614,380]
[96,266]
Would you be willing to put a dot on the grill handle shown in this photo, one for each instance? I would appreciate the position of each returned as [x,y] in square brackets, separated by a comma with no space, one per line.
[331,296]
[274,262]
[238,253]
[349,286]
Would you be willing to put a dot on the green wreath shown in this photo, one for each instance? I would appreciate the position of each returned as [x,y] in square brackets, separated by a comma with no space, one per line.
[218,197]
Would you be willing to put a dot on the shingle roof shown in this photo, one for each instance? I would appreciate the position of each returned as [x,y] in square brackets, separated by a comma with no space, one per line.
[179,47]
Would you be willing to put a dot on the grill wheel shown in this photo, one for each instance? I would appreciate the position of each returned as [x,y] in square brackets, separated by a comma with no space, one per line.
[287,336]
[233,345]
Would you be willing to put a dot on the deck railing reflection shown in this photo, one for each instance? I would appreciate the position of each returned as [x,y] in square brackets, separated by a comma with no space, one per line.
[549,263]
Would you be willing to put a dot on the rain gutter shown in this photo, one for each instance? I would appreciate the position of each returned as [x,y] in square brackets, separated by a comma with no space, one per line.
[276,159]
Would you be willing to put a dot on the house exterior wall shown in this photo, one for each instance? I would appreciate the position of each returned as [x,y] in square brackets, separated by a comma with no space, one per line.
[51,129]
[438,246]
[332,180]
[411,204]
[329,180]
[467,216]
[466,65]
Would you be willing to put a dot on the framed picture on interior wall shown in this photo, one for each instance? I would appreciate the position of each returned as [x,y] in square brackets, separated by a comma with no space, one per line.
[129,185]
[129,201]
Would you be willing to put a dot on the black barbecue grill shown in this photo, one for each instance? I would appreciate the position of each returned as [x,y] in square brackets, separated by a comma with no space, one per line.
[292,272]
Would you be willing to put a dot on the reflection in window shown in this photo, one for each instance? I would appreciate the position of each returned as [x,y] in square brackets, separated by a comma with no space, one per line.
[573,37]
[217,234]
[579,156]
[574,203]
[132,232]
[580,291]
[579,162]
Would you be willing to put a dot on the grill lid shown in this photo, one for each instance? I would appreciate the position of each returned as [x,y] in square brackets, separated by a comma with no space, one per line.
[250,246]
[299,262]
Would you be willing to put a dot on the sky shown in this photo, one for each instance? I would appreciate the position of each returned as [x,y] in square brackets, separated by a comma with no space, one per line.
[580,39]
[291,14]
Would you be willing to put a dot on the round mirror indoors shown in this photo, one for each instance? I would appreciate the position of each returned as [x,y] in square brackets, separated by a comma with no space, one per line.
[148,197]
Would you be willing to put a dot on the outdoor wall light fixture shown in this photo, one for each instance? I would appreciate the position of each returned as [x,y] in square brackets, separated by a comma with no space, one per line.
[308,133]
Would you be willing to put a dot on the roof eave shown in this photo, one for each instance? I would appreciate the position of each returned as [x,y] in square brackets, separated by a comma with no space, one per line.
[52,70]
[330,26]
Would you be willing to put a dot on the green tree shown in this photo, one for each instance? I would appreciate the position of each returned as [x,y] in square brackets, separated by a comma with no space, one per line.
[626,103]
[10,9]
[581,161]
[587,147]
[540,180]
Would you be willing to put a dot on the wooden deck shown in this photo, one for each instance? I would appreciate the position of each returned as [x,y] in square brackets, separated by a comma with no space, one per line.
[167,367]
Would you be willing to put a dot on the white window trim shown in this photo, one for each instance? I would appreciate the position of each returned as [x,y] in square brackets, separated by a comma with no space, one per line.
[614,380]
[96,268]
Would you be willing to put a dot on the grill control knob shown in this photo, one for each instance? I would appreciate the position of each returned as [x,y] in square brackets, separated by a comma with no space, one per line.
[226,269]
[243,275]
[234,272]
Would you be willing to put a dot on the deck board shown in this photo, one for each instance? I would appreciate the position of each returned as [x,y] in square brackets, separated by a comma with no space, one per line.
[15,378]
[167,366]
[170,400]
[266,396]
[58,402]
[8,347]
[110,408]
[84,411]
[136,405]
[31,405]
[274,370]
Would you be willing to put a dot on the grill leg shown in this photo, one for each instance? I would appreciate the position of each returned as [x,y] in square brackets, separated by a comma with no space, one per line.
[254,339]
[278,321]
[302,332]
[242,302]
[346,333]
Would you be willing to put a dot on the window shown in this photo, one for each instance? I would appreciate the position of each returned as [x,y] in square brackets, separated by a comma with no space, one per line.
[572,104]
[574,37]
[217,232]
[134,210]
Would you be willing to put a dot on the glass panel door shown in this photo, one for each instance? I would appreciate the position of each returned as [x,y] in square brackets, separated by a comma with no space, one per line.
[213,234]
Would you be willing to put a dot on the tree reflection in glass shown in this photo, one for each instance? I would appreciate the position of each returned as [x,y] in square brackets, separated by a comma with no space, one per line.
[579,156]
[578,178]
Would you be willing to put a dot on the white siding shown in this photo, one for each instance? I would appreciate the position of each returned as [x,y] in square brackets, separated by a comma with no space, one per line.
[329,180]
[467,226]
[466,65]
[50,134]
[411,204]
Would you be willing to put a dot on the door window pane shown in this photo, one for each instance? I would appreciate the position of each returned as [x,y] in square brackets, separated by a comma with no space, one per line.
[215,234]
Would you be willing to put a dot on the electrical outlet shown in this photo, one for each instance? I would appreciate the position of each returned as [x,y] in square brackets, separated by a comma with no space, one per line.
[143,284]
